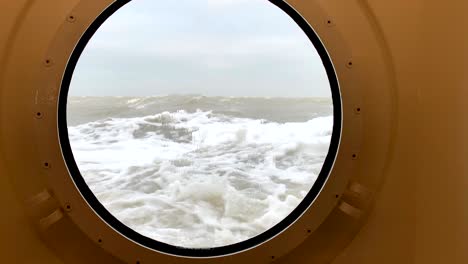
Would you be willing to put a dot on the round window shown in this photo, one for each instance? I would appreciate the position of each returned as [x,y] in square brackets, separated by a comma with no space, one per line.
[199,127]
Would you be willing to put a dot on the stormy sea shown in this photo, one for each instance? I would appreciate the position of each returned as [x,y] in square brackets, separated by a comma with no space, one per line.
[196,171]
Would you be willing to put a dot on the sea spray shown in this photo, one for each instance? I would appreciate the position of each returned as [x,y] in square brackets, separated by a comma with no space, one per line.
[201,177]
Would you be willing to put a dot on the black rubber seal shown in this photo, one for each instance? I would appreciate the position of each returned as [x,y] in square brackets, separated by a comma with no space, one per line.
[198,252]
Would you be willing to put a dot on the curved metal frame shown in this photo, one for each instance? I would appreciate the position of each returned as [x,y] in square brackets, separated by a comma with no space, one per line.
[196,252]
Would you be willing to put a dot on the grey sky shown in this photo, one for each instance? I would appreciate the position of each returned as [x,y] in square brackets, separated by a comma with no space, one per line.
[208,47]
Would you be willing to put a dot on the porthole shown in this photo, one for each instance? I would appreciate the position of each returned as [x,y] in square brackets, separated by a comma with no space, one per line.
[188,168]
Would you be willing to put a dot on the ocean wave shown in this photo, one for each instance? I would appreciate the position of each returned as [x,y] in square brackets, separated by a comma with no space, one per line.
[200,179]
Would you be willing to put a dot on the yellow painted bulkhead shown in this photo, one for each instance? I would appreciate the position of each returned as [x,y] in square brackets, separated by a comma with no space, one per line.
[409,179]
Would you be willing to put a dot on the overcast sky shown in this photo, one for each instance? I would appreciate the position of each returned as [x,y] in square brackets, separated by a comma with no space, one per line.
[208,47]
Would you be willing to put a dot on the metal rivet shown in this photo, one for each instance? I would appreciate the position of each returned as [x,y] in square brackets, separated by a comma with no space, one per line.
[68,207]
[357,110]
[349,64]
[38,115]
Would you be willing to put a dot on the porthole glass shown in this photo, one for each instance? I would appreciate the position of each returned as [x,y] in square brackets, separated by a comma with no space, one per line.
[199,127]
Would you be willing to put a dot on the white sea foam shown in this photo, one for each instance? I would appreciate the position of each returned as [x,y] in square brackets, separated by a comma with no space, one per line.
[200,179]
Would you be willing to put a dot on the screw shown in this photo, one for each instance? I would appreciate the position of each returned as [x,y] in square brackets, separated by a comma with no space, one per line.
[48,62]
[71,18]
[46,165]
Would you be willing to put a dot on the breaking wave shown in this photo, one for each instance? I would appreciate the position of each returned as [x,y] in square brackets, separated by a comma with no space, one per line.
[200,179]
